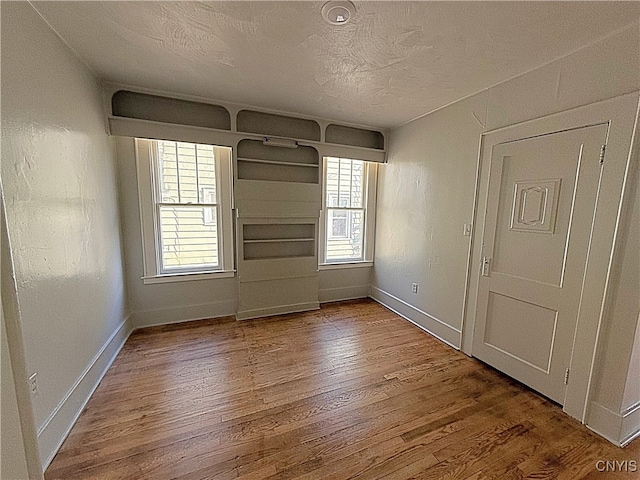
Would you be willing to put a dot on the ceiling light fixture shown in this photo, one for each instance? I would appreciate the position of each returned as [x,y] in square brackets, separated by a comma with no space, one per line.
[338,12]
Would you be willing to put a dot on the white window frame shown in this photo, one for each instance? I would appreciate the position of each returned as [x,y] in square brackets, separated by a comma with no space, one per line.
[146,164]
[370,175]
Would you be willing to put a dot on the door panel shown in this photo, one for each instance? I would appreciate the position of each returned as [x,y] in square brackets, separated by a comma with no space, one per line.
[539,210]
[536,326]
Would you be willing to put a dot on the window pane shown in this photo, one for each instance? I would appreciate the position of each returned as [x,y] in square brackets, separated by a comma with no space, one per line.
[357,187]
[331,182]
[344,183]
[168,172]
[186,173]
[339,224]
[189,237]
[345,236]
[206,173]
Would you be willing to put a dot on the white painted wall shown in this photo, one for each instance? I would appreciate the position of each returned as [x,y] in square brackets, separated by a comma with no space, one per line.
[58,173]
[425,196]
[426,190]
[344,283]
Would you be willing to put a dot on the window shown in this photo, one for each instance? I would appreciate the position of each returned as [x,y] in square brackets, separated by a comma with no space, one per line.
[348,211]
[185,200]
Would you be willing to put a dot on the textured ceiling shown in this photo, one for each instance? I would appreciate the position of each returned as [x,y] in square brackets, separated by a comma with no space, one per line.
[395,61]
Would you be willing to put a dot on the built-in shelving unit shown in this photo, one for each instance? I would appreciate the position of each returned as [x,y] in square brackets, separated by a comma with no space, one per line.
[257,161]
[356,137]
[281,240]
[277,183]
[255,169]
[146,114]
[251,121]
[157,108]
[277,264]
[278,205]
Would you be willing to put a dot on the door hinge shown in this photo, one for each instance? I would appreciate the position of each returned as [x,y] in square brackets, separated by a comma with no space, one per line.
[603,150]
[566,376]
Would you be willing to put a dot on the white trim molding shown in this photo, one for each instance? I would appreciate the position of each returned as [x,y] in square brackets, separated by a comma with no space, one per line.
[618,428]
[630,429]
[185,313]
[279,310]
[59,423]
[430,324]
[351,292]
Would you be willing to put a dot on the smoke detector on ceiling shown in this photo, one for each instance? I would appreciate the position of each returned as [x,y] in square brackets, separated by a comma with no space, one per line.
[338,12]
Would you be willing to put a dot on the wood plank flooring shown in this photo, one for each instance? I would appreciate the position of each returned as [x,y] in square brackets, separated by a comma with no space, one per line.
[349,391]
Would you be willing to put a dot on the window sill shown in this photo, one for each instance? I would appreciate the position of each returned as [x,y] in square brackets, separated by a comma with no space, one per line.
[337,266]
[188,277]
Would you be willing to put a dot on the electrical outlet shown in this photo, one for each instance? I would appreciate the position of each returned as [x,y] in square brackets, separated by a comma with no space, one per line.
[414,288]
[466,230]
[33,384]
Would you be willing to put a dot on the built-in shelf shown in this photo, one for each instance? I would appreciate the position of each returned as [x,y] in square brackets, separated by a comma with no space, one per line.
[277,162]
[281,240]
[277,173]
[157,108]
[252,121]
[281,250]
[356,137]
[278,231]
[278,240]
[256,161]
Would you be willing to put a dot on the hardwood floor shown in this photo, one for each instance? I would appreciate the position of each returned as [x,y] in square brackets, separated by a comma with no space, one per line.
[349,391]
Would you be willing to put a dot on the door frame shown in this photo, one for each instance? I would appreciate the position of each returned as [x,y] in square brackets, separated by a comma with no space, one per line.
[621,114]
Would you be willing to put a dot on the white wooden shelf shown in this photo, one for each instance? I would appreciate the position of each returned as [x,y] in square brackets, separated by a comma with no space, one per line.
[279,240]
[278,162]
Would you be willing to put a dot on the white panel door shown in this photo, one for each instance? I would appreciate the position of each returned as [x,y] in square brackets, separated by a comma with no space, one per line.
[539,211]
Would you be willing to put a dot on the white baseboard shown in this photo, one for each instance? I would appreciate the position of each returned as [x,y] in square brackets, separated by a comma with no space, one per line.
[605,422]
[279,310]
[619,428]
[343,293]
[430,324]
[630,429]
[151,318]
[57,426]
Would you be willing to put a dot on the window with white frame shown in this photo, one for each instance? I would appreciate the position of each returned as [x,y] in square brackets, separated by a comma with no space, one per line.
[185,200]
[347,226]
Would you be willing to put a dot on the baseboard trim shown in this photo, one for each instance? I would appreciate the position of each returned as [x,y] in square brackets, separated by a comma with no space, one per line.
[630,429]
[187,313]
[326,295]
[619,428]
[605,422]
[428,323]
[58,425]
[279,310]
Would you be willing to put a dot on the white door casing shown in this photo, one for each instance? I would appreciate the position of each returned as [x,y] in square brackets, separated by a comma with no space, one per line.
[620,113]
[539,209]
